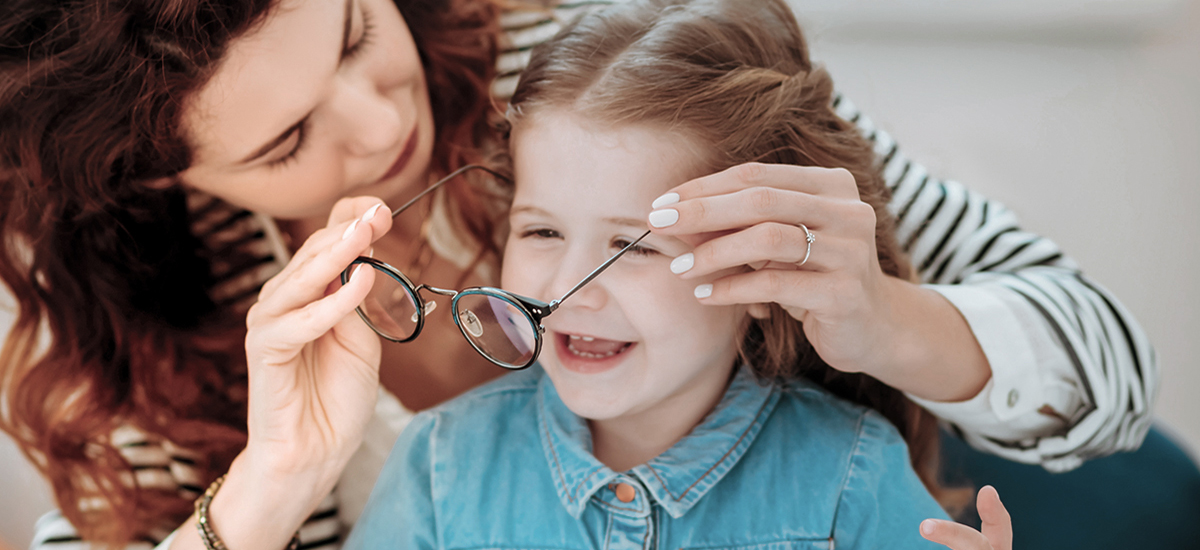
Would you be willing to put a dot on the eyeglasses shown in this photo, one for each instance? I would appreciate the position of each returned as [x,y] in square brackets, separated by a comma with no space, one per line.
[503,327]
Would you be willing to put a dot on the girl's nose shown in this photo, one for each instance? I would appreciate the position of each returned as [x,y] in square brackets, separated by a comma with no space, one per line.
[371,122]
[593,295]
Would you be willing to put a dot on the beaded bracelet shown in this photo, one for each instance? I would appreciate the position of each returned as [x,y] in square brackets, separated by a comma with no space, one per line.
[207,535]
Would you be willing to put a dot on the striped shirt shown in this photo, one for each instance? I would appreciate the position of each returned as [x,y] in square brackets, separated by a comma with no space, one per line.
[967,247]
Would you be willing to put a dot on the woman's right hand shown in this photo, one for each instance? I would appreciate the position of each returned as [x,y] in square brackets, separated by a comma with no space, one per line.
[314,377]
[313,364]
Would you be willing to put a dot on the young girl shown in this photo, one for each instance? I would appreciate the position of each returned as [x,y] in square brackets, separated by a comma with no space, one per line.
[654,421]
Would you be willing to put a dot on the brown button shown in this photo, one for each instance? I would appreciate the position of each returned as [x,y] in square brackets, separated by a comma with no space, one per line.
[625,492]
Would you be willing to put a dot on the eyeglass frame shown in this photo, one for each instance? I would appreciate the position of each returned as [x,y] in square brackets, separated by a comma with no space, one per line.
[533,309]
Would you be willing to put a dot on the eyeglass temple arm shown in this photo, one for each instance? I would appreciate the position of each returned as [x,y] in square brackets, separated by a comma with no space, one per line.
[442,181]
[596,272]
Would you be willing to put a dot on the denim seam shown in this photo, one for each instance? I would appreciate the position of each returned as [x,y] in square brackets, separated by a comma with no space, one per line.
[858,433]
[718,463]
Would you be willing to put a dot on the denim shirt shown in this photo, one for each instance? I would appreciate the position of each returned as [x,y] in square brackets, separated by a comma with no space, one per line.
[770,468]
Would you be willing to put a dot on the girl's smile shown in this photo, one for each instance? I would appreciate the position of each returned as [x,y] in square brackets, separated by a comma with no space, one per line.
[589,354]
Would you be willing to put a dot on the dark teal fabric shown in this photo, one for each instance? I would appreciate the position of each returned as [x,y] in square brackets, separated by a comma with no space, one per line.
[1149,498]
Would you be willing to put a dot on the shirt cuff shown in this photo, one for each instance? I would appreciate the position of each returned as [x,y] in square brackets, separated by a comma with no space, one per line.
[1016,387]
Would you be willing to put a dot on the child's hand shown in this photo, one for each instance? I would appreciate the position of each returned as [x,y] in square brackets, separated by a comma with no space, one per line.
[996,533]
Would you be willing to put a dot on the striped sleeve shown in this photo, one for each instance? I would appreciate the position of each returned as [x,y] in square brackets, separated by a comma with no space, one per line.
[957,237]
[160,466]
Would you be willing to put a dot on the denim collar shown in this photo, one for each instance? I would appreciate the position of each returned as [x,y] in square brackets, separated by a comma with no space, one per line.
[676,479]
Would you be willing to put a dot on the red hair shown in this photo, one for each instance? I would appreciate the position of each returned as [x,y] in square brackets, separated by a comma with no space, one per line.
[114,325]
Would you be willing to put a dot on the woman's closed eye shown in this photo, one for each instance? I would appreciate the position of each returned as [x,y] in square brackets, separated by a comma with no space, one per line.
[364,38]
[352,51]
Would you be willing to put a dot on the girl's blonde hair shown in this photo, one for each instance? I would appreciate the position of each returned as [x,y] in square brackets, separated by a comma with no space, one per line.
[733,75]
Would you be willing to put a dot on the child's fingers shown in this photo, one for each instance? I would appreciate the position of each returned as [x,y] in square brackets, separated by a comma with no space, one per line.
[953,535]
[996,523]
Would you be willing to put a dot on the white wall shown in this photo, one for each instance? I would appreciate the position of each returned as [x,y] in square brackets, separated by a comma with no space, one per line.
[1081,115]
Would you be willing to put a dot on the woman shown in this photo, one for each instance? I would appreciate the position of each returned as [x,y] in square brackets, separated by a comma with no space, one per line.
[112,111]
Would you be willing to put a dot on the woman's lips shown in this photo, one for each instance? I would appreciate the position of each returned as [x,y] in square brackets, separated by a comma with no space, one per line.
[589,355]
[402,160]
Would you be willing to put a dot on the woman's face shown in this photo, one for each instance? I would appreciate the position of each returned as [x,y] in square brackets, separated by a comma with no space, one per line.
[326,99]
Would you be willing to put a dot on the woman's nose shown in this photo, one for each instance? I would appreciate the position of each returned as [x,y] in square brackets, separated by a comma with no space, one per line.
[371,121]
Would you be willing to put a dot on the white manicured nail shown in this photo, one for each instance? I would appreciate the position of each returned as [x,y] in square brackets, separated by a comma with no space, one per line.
[371,213]
[349,230]
[667,199]
[683,263]
[663,218]
[704,291]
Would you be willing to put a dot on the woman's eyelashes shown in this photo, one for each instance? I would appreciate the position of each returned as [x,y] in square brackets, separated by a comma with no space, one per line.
[301,134]
[355,49]
[364,38]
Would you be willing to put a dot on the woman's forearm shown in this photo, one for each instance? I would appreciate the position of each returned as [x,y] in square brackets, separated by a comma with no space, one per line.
[928,348]
[256,508]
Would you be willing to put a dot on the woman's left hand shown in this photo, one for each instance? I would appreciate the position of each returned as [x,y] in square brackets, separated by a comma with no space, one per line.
[995,532]
[856,317]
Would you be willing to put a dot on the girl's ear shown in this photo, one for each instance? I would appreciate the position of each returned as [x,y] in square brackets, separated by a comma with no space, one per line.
[759,311]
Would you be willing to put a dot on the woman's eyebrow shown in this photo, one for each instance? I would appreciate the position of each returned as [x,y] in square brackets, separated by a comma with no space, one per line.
[271,145]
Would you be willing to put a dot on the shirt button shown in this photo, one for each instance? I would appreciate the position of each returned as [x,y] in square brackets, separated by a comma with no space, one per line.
[1013,396]
[625,492]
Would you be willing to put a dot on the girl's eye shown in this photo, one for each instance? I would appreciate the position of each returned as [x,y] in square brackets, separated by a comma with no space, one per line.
[640,250]
[301,134]
[363,40]
[541,234]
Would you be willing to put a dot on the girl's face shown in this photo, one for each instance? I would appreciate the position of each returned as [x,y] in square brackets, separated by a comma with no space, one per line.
[326,99]
[634,340]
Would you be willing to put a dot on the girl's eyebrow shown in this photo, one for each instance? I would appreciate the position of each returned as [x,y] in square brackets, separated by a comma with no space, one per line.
[637,223]
[528,209]
[271,145]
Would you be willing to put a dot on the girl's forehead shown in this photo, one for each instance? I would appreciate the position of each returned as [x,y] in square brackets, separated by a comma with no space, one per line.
[561,155]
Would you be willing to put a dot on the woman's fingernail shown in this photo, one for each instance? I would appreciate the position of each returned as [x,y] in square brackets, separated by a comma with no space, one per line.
[349,230]
[354,271]
[704,291]
[683,263]
[927,527]
[667,199]
[371,213]
[663,218]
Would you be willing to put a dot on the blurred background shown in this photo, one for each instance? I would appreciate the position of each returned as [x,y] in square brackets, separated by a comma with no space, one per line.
[1083,116]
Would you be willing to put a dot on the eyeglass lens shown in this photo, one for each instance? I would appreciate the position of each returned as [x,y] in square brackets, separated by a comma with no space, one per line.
[390,308]
[497,328]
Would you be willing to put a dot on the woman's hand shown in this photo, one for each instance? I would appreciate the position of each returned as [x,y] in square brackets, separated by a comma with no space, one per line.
[996,532]
[314,365]
[856,317]
[314,376]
